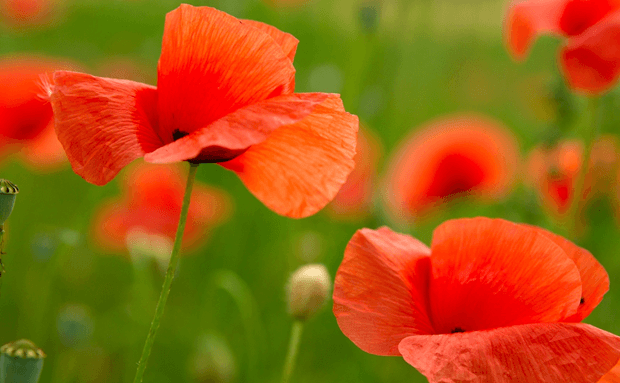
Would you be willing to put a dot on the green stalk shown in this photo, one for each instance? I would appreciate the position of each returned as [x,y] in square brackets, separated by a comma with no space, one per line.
[293,348]
[172,266]
[589,135]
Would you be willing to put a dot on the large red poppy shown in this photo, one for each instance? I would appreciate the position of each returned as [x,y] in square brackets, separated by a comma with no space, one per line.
[590,57]
[26,120]
[489,302]
[224,95]
[447,158]
[151,204]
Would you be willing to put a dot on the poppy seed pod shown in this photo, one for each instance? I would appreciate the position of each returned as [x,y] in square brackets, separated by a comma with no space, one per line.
[21,362]
[8,191]
[308,288]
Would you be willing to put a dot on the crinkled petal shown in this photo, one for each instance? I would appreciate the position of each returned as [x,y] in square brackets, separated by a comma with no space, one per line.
[529,19]
[591,60]
[594,278]
[613,376]
[381,290]
[213,64]
[103,124]
[540,353]
[287,42]
[301,167]
[489,273]
[232,134]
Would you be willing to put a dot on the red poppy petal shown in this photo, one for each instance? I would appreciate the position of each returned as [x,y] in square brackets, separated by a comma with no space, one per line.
[44,152]
[447,158]
[103,124]
[287,42]
[110,226]
[587,61]
[151,202]
[232,134]
[594,278]
[24,113]
[381,290]
[213,64]
[301,167]
[489,273]
[529,19]
[540,352]
[579,15]
[613,376]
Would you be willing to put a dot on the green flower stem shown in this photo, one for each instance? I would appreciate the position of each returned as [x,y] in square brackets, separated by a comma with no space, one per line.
[589,135]
[293,348]
[172,266]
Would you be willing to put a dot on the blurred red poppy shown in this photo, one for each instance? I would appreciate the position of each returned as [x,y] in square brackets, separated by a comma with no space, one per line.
[224,95]
[590,57]
[26,120]
[554,172]
[447,158]
[25,13]
[489,301]
[354,200]
[151,204]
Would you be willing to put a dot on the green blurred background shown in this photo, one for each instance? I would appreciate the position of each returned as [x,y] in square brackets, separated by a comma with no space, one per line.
[397,65]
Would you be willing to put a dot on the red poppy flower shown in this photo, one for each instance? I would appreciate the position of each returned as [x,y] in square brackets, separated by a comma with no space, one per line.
[590,57]
[354,200]
[451,157]
[554,172]
[151,204]
[23,13]
[489,302]
[224,95]
[26,120]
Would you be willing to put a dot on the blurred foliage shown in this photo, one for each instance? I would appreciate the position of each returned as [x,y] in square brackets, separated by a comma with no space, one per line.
[397,64]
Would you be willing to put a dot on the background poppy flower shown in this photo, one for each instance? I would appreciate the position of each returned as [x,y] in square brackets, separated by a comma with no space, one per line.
[489,301]
[26,120]
[554,172]
[447,158]
[354,200]
[151,203]
[26,13]
[590,58]
[225,95]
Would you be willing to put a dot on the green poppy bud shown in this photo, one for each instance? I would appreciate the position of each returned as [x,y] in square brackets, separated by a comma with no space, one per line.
[308,289]
[20,362]
[8,191]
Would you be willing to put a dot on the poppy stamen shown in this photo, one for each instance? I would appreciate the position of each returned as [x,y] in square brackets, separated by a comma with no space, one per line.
[177,134]
[582,301]
[457,329]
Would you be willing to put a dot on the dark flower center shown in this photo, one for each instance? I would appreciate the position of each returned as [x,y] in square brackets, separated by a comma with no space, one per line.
[582,301]
[457,329]
[178,134]
[579,15]
[456,174]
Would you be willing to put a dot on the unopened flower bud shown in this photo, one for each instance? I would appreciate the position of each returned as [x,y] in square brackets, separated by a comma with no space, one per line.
[21,361]
[308,289]
[8,191]
[214,361]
